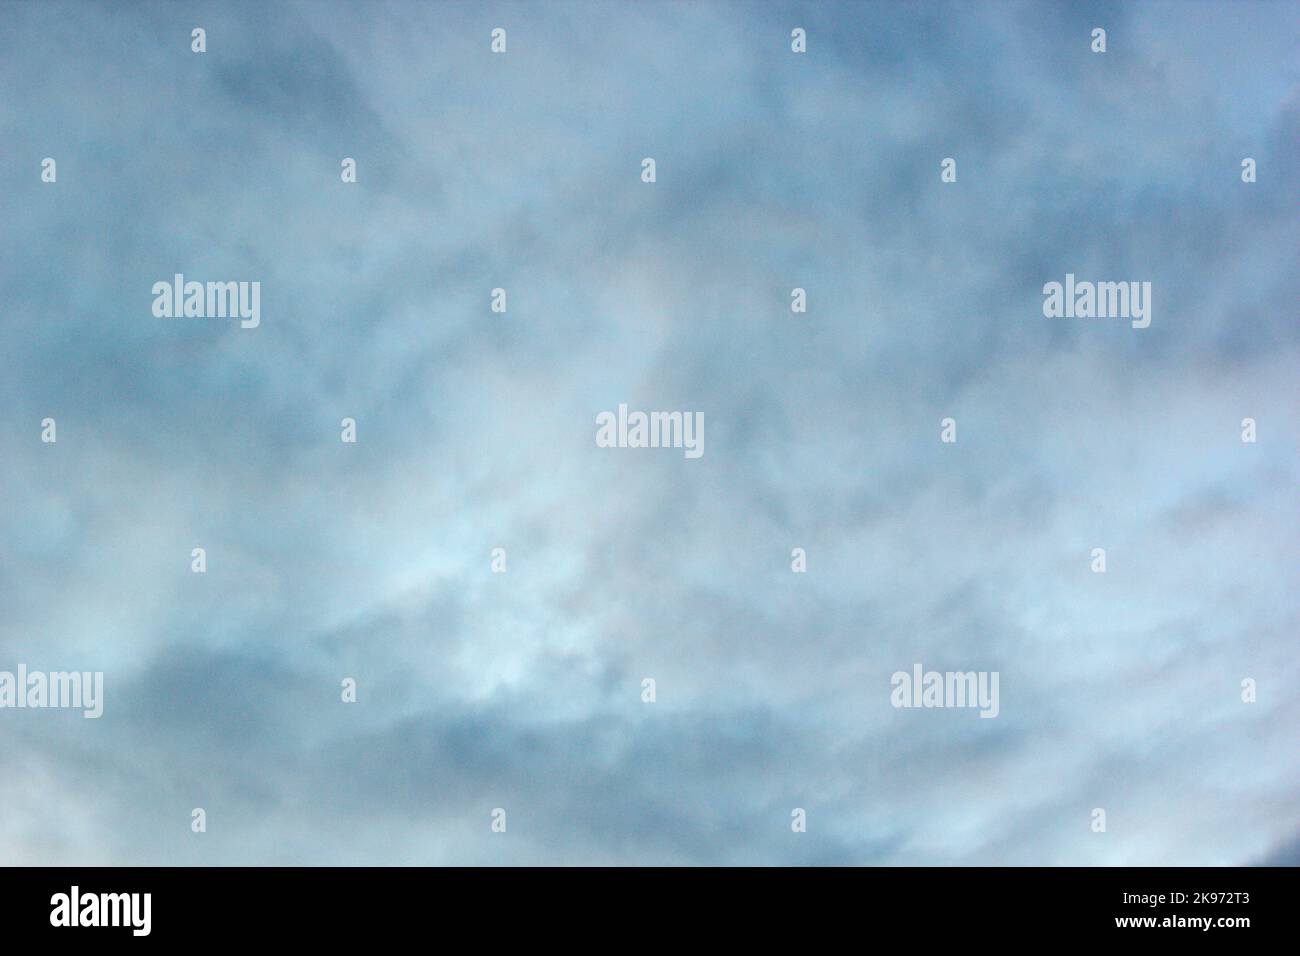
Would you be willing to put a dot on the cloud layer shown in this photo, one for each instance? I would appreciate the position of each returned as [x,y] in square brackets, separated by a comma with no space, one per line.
[522,690]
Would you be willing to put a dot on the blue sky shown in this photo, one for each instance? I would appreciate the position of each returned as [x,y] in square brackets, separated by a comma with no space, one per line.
[476,430]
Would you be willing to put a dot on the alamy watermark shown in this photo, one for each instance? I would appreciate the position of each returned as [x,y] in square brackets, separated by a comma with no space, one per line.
[211,300]
[75,908]
[1098,300]
[923,688]
[78,690]
[651,430]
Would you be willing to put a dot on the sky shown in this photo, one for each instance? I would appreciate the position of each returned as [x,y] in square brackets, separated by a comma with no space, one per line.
[523,690]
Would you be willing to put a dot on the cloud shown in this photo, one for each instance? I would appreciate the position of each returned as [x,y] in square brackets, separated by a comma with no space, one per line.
[372,561]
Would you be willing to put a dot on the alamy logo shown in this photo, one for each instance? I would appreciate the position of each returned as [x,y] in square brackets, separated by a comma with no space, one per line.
[103,909]
[211,300]
[1098,300]
[652,430]
[946,689]
[75,689]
